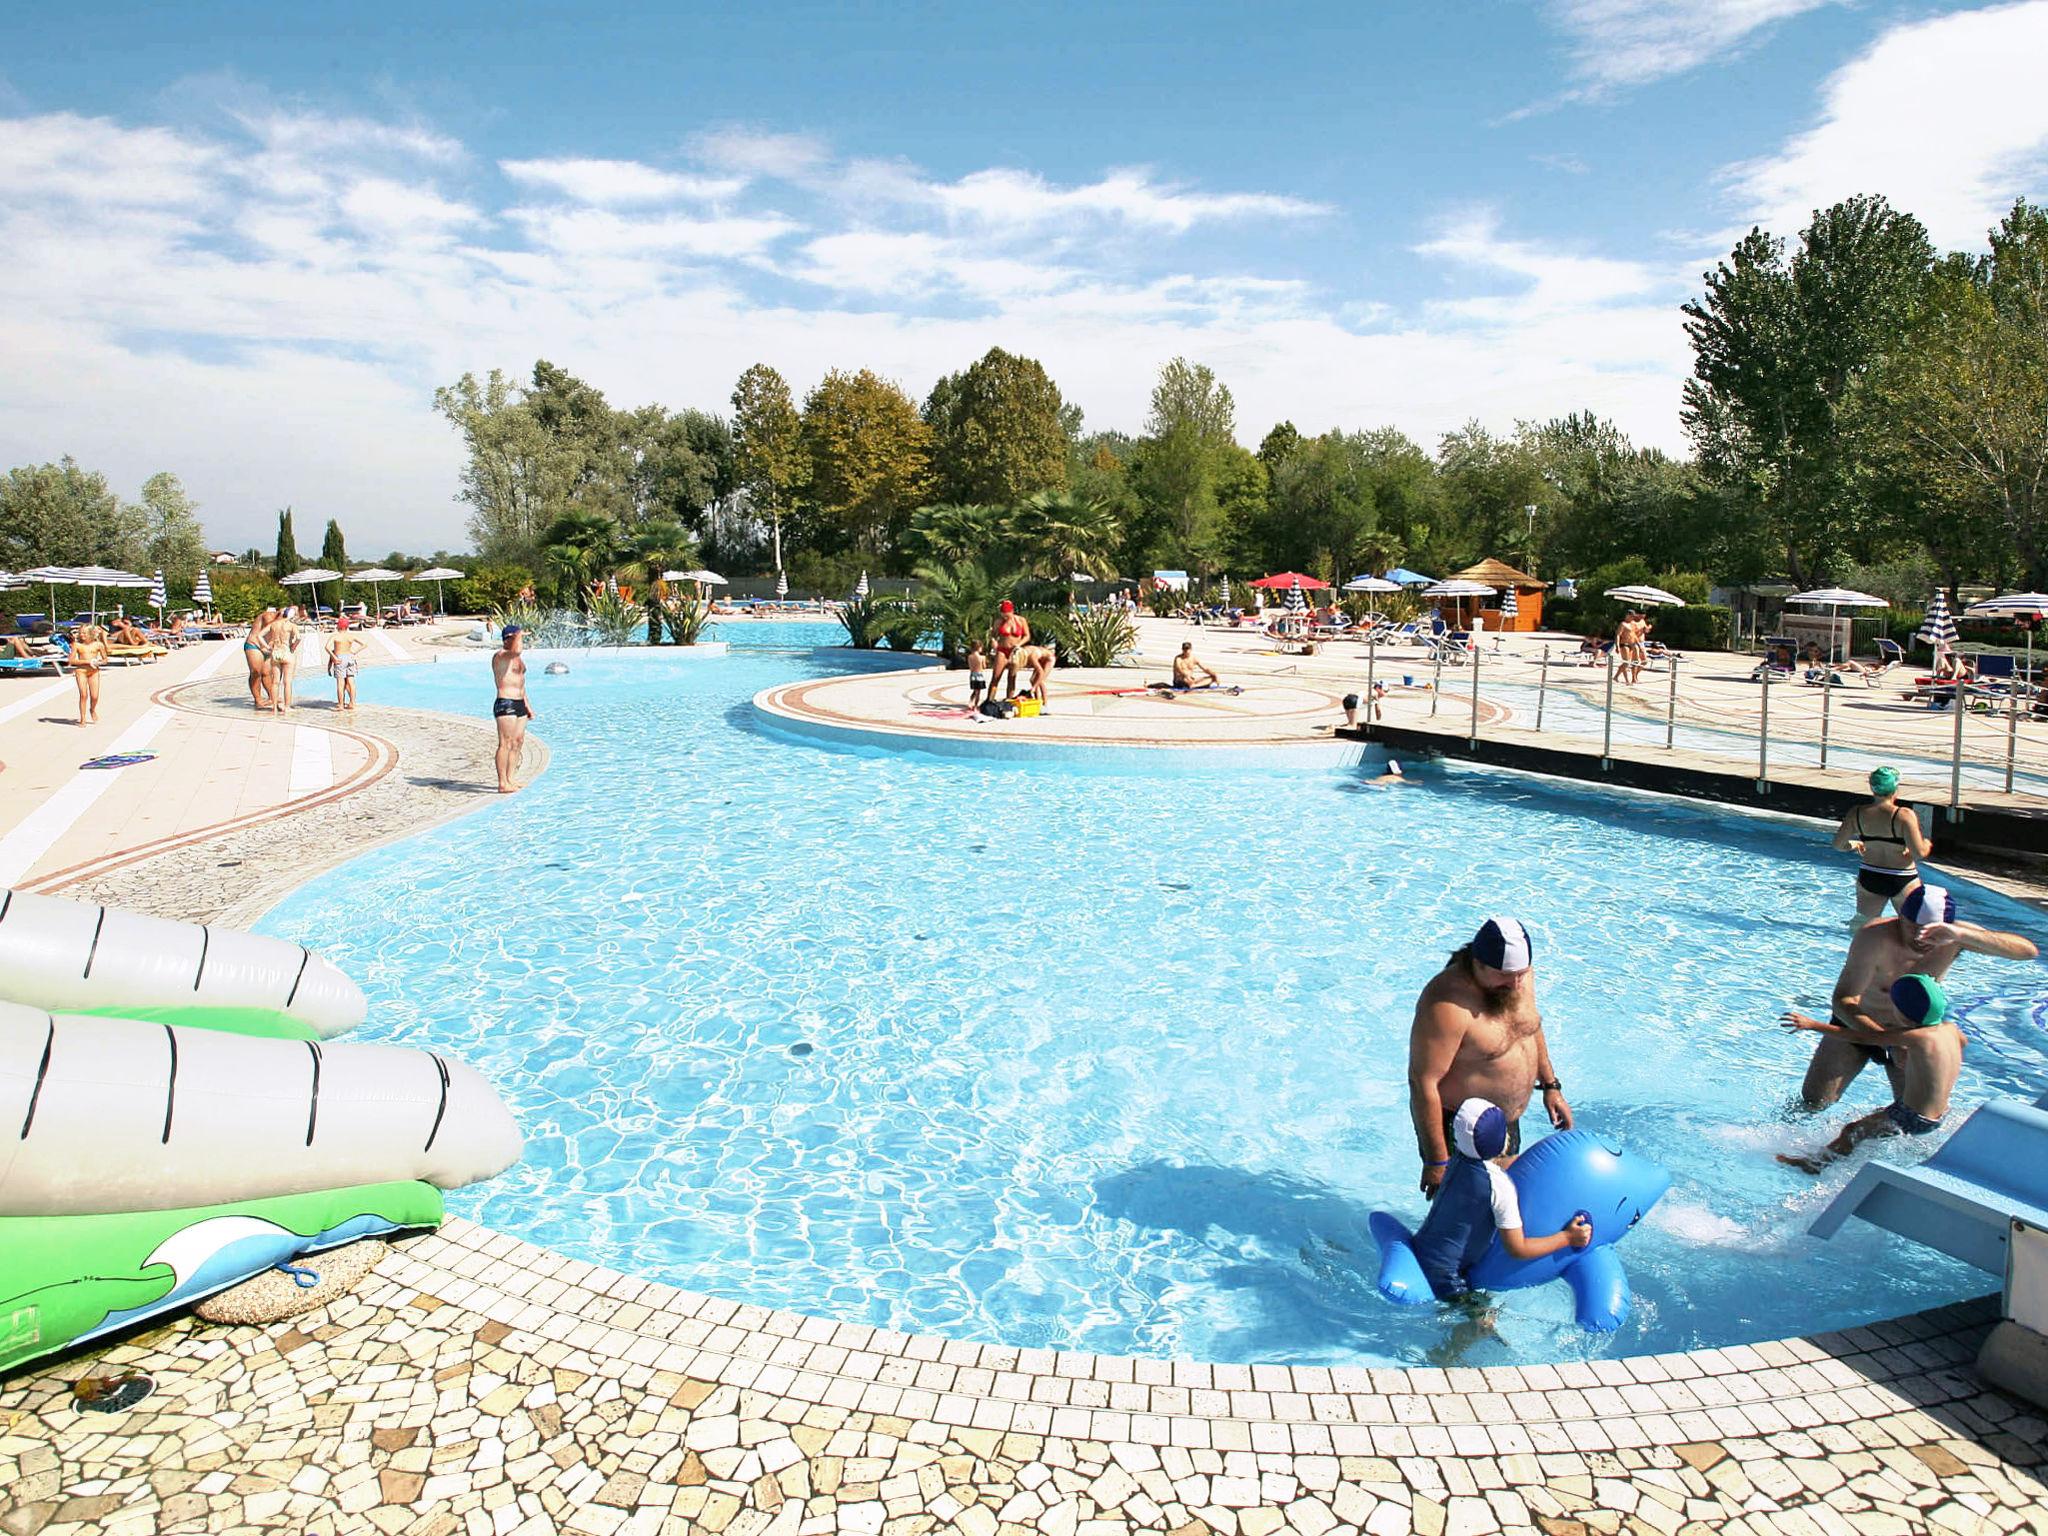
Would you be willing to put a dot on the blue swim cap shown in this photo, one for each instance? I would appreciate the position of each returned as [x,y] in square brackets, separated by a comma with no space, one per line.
[1480,1130]
[1920,999]
[1504,945]
[1928,904]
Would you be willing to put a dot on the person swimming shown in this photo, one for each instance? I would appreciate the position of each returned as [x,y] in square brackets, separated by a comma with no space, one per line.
[1392,776]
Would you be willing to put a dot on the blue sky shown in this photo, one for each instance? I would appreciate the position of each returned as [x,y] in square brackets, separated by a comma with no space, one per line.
[252,239]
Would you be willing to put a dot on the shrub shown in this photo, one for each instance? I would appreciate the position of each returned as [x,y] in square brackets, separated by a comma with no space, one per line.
[686,619]
[869,621]
[1103,636]
[617,621]
[487,588]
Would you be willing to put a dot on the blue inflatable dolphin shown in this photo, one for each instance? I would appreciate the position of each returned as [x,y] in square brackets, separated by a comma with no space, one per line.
[1560,1176]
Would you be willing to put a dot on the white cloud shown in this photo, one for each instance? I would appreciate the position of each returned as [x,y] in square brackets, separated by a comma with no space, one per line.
[616,183]
[269,314]
[1549,282]
[312,133]
[597,232]
[753,152]
[1946,117]
[1619,43]
[389,207]
[1022,198]
[95,161]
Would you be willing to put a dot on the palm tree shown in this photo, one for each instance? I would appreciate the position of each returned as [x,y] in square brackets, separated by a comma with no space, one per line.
[656,547]
[951,532]
[959,601]
[1059,532]
[579,547]
[1381,552]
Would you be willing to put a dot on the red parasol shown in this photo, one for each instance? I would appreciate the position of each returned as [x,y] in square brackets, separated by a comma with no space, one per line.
[1291,579]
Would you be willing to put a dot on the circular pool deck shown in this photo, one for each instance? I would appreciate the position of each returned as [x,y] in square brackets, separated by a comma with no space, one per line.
[476,1383]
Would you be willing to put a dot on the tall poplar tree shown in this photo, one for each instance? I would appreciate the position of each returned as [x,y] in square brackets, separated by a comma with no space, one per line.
[287,558]
[998,431]
[770,461]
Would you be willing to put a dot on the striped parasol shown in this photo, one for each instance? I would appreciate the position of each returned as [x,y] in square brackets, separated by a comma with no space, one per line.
[1226,591]
[1937,628]
[202,589]
[860,588]
[1510,605]
[156,592]
[1296,603]
[782,583]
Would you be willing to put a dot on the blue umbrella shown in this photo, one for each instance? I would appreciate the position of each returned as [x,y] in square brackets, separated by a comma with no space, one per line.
[1401,575]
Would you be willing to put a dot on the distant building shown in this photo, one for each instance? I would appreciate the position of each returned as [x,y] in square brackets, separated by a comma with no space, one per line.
[221,557]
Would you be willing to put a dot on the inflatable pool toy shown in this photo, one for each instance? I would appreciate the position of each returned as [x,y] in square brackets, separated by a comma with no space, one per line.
[1562,1175]
[119,760]
[178,1118]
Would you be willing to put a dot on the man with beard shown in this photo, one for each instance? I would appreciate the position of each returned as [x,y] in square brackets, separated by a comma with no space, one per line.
[1923,940]
[1478,1034]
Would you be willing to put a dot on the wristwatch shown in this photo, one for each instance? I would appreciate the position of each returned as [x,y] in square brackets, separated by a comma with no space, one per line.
[1555,1085]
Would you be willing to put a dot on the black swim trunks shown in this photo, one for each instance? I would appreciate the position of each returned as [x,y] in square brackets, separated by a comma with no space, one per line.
[1514,1133]
[511,707]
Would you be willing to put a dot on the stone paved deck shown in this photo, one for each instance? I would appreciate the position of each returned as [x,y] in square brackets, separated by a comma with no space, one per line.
[477,1383]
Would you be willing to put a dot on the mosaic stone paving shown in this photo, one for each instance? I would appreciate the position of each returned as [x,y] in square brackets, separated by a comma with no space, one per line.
[478,1384]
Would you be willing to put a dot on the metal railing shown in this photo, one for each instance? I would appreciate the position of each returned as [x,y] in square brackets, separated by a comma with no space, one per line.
[1806,737]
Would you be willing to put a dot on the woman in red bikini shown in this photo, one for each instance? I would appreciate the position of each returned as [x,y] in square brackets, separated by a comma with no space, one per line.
[1012,630]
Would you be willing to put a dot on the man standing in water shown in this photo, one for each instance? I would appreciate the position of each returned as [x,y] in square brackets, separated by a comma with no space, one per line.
[1923,940]
[1478,1034]
[511,711]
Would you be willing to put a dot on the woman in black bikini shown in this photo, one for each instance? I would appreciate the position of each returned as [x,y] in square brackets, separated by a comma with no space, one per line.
[1886,838]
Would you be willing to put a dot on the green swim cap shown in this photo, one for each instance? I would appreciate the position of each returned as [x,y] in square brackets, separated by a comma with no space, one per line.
[1920,999]
[1883,781]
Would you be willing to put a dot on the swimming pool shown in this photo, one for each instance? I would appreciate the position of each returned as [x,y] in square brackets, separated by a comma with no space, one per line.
[1100,1057]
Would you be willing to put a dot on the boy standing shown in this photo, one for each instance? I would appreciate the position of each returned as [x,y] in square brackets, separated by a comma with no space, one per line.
[977,675]
[1924,1058]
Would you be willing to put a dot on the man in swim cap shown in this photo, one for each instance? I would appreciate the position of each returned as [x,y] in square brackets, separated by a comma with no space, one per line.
[1478,1034]
[1924,1058]
[510,710]
[1925,939]
[1478,1199]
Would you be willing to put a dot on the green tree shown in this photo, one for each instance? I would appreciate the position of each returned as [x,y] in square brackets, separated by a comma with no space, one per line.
[333,552]
[1278,445]
[1956,421]
[870,456]
[947,534]
[175,542]
[578,548]
[1779,347]
[59,514]
[771,462]
[517,478]
[1192,423]
[1321,506]
[1487,482]
[997,431]
[657,546]
[286,560]
[1057,534]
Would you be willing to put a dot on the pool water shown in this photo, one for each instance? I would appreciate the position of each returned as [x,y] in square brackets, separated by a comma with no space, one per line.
[1103,1058]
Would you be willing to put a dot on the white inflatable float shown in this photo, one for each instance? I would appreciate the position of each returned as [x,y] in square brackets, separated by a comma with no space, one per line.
[175,1117]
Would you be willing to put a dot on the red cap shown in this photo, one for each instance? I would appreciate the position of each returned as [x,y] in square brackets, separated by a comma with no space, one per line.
[341,623]
[1008,606]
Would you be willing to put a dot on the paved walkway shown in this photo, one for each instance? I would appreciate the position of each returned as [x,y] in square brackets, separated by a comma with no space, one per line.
[58,821]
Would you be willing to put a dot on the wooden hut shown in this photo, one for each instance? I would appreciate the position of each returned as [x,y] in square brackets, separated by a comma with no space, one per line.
[1528,596]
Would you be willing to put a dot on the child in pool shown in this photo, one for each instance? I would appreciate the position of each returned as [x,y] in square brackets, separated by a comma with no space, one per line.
[1927,1057]
[1475,1202]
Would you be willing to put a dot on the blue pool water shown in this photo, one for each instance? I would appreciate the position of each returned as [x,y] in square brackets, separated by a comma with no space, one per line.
[1053,1055]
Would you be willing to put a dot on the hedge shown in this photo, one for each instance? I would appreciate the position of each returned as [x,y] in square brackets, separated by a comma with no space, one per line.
[1695,627]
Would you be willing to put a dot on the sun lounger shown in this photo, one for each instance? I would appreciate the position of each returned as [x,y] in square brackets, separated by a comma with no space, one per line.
[30,666]
[1963,1199]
